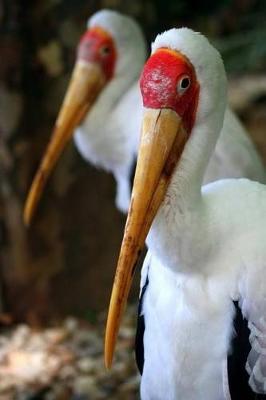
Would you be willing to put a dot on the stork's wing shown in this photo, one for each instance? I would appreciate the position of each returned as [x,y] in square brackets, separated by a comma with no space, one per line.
[254,309]
[256,362]
[144,272]
[236,377]
[139,344]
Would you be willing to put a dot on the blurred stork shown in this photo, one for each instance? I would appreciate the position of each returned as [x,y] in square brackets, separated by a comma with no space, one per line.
[206,245]
[102,97]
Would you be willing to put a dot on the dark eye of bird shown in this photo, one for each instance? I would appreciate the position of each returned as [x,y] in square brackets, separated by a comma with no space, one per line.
[105,50]
[185,82]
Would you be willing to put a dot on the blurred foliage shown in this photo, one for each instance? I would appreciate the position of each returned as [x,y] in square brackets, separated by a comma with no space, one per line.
[245,52]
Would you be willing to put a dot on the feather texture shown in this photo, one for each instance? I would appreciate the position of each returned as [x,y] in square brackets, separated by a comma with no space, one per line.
[207,251]
[109,136]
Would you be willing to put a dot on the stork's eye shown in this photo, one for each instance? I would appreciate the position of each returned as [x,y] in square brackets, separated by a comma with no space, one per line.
[105,50]
[183,84]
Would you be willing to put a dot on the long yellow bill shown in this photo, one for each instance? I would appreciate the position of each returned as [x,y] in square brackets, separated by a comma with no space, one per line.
[162,141]
[86,83]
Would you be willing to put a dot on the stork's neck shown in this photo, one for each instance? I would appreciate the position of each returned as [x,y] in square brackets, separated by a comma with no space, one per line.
[179,220]
[101,139]
[185,186]
[107,101]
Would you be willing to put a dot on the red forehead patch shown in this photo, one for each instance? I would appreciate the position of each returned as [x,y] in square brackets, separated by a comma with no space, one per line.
[160,79]
[97,45]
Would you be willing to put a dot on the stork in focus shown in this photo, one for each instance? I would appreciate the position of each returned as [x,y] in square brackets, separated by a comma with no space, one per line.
[103,107]
[206,245]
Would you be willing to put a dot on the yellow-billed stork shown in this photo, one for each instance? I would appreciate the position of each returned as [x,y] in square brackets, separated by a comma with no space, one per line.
[206,245]
[103,108]
[101,97]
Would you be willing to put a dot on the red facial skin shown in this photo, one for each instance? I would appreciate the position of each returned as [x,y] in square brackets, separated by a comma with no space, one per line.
[159,82]
[97,46]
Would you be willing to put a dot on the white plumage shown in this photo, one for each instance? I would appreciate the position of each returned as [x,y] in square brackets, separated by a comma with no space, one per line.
[105,135]
[212,256]
[112,142]
[108,136]
[206,250]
